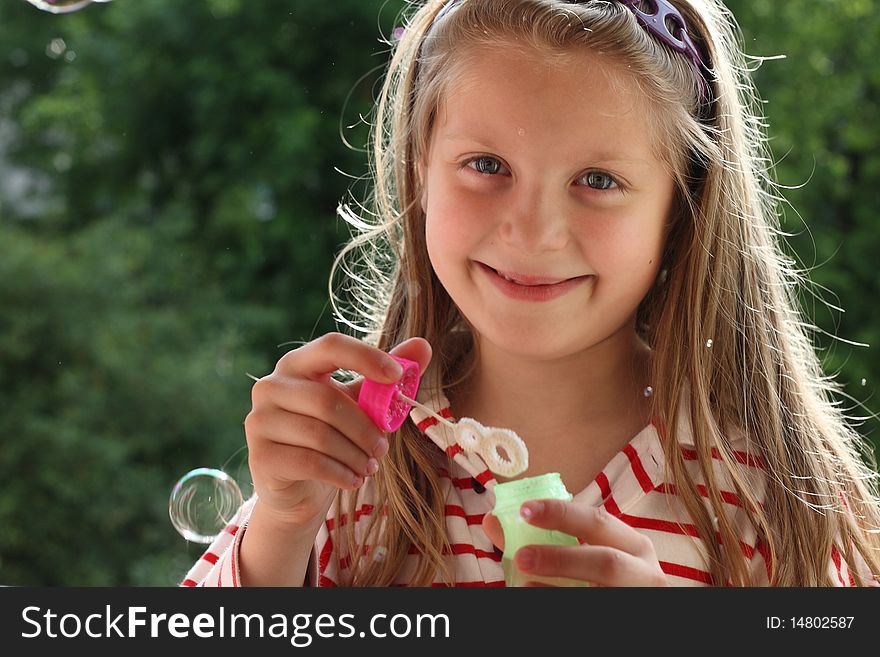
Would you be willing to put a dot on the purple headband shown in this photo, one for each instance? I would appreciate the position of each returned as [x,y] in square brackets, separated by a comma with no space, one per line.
[665,23]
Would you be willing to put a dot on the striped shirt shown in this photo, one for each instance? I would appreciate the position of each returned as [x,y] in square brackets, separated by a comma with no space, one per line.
[632,487]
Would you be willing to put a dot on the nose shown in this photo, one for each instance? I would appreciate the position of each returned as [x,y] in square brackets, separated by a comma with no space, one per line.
[535,220]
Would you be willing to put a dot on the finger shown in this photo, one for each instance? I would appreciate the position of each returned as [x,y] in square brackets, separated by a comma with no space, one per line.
[593,524]
[597,564]
[302,397]
[284,428]
[280,465]
[318,359]
[492,527]
[415,349]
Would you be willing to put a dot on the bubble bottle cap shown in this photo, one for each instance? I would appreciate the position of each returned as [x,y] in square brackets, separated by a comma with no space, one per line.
[382,402]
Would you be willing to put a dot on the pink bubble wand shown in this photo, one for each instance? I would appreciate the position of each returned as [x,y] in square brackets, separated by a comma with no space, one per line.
[389,404]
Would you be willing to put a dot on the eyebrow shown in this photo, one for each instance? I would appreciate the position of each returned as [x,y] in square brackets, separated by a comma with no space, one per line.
[597,156]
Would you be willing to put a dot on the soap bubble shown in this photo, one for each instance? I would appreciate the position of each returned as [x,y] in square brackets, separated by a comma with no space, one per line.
[62,6]
[202,503]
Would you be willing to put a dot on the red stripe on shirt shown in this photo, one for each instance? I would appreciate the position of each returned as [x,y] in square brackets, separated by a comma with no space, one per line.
[726,496]
[326,551]
[687,572]
[835,557]
[607,499]
[430,421]
[745,458]
[453,450]
[210,557]
[462,483]
[467,548]
[455,549]
[450,510]
[672,527]
[464,549]
[467,483]
[484,476]
[188,582]
[764,551]
[638,469]
[654,524]
[456,510]
[365,510]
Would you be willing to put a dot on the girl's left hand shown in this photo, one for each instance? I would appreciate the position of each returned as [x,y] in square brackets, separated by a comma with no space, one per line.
[614,554]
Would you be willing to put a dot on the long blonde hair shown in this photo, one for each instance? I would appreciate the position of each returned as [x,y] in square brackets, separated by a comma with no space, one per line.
[727,279]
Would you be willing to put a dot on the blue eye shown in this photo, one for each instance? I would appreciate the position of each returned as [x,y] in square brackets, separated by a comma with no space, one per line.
[486,165]
[598,180]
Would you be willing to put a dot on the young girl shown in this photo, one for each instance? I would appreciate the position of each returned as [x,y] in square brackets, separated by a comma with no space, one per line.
[574,216]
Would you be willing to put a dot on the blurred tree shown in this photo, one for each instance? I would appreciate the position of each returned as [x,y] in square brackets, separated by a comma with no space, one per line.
[822,102]
[168,221]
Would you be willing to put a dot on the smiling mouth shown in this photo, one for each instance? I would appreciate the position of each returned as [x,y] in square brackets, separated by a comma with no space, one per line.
[525,280]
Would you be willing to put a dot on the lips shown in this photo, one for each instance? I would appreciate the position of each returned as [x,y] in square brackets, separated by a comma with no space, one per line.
[527,279]
[523,287]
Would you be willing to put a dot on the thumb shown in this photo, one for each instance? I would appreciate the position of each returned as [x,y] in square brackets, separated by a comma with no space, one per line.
[492,527]
[417,349]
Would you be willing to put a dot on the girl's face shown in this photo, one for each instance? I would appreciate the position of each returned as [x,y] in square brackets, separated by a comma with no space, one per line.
[545,173]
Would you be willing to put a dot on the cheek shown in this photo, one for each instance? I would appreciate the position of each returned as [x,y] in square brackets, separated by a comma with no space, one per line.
[443,241]
[453,226]
[434,244]
[625,251]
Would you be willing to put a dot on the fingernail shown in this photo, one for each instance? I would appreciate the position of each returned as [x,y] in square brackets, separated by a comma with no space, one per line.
[525,558]
[530,509]
[381,448]
[372,466]
[392,368]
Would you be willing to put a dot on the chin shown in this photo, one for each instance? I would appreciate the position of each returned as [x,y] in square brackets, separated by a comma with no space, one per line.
[538,345]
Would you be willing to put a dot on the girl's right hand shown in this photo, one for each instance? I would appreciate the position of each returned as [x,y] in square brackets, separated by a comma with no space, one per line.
[306,435]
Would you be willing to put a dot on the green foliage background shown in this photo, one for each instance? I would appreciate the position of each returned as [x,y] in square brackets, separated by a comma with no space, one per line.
[169,173]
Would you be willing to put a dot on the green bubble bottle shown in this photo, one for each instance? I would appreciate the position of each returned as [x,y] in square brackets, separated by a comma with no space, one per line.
[509,497]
